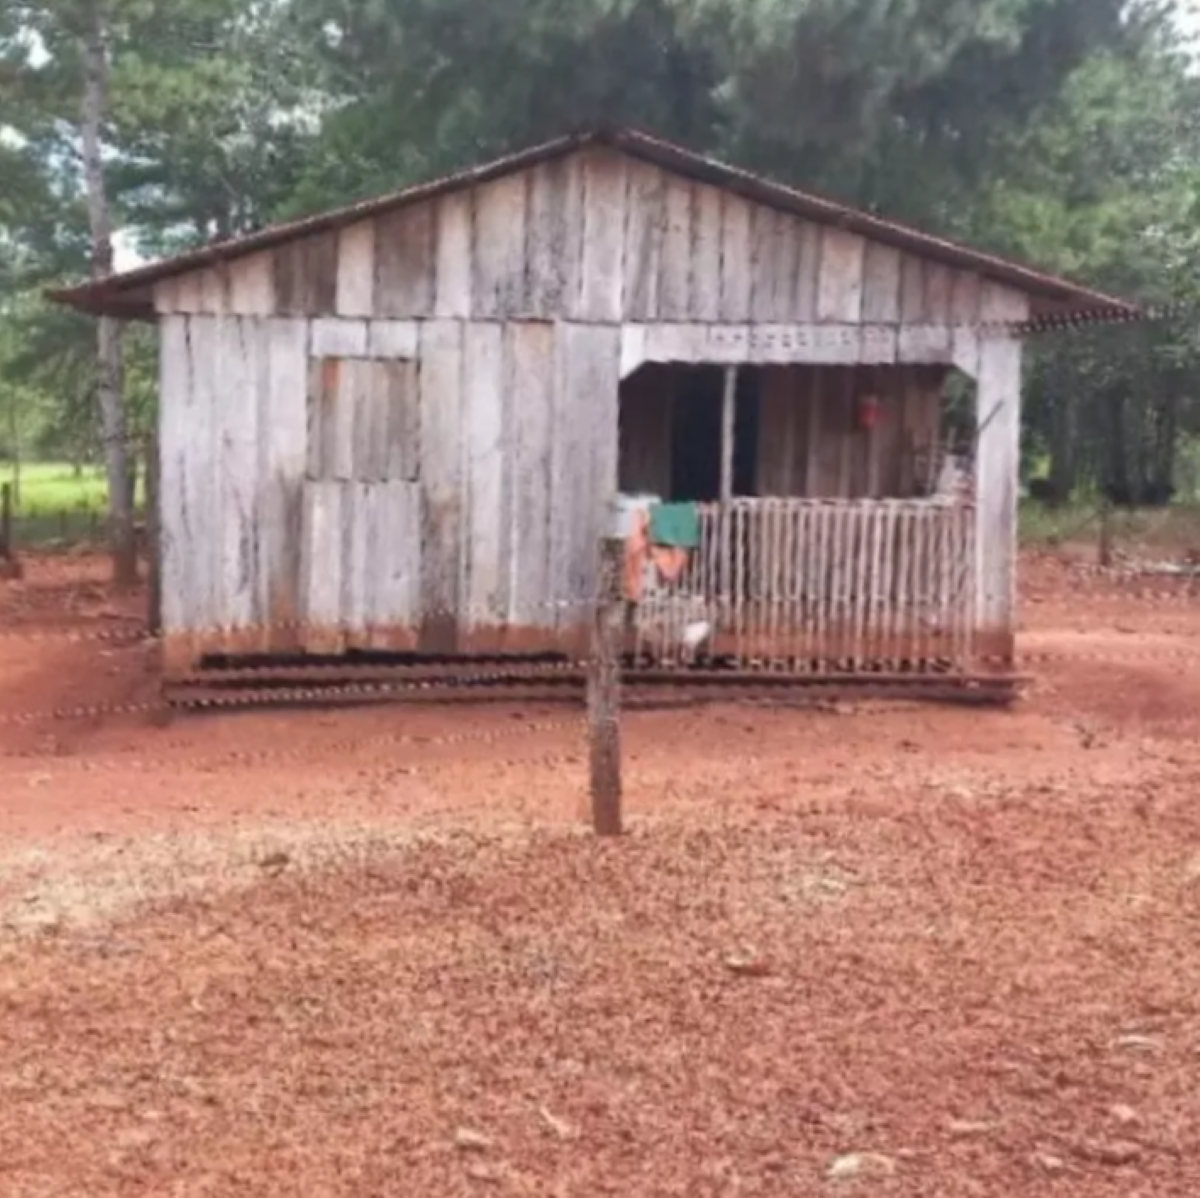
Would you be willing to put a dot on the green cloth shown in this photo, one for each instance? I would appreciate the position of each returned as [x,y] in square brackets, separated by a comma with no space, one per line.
[675,525]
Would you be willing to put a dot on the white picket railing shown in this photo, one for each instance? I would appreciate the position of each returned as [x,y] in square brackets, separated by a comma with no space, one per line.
[816,585]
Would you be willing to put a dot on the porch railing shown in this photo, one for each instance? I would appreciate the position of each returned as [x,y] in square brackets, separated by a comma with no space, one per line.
[820,585]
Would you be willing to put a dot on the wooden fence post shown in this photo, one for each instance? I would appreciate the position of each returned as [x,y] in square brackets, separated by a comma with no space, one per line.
[604,692]
[153,546]
[1105,549]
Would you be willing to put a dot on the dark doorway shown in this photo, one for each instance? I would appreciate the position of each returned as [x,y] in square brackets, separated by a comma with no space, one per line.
[696,433]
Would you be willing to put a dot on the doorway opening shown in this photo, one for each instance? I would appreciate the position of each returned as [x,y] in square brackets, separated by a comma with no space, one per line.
[670,431]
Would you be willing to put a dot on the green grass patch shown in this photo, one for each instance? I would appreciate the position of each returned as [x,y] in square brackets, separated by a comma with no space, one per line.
[48,488]
[59,506]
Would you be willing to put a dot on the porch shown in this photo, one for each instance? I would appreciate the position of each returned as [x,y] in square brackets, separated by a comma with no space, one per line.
[819,586]
[836,509]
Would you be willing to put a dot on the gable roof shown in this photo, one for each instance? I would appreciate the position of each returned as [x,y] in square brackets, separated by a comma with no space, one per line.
[124,294]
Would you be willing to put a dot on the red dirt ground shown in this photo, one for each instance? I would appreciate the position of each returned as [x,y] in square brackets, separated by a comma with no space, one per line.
[885,949]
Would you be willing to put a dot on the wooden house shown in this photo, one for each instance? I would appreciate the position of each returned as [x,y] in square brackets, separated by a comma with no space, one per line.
[400,426]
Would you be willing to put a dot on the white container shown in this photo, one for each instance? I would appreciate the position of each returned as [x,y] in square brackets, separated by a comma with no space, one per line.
[624,508]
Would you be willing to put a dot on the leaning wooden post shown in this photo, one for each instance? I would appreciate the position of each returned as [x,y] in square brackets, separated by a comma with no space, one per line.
[604,691]
[153,547]
[728,412]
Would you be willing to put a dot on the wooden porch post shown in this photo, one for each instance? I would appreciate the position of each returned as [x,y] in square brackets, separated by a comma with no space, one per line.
[997,466]
[728,412]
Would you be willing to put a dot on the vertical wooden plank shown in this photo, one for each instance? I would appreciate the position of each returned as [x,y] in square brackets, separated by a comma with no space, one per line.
[824,584]
[452,255]
[912,289]
[966,298]
[203,474]
[676,261]
[187,293]
[366,399]
[645,217]
[395,547]
[405,261]
[605,182]
[876,607]
[881,284]
[584,463]
[401,419]
[322,565]
[556,223]
[357,569]
[322,391]
[174,445]
[705,280]
[356,269]
[166,297]
[997,461]
[939,286]
[442,452]
[498,283]
[1000,303]
[804,304]
[728,416]
[777,240]
[241,345]
[737,266]
[343,416]
[214,289]
[488,477]
[887,588]
[282,455]
[529,366]
[840,283]
[902,624]
[252,285]
[306,275]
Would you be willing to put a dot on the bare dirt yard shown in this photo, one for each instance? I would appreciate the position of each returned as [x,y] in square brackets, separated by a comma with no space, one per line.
[876,950]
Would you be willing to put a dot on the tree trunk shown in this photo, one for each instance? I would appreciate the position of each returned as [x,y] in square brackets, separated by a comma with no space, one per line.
[109,365]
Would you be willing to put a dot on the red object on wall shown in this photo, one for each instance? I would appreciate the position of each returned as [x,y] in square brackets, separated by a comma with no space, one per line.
[867,412]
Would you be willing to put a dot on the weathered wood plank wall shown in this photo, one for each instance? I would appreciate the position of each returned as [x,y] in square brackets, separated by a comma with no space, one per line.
[598,238]
[427,484]
[448,373]
[809,445]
